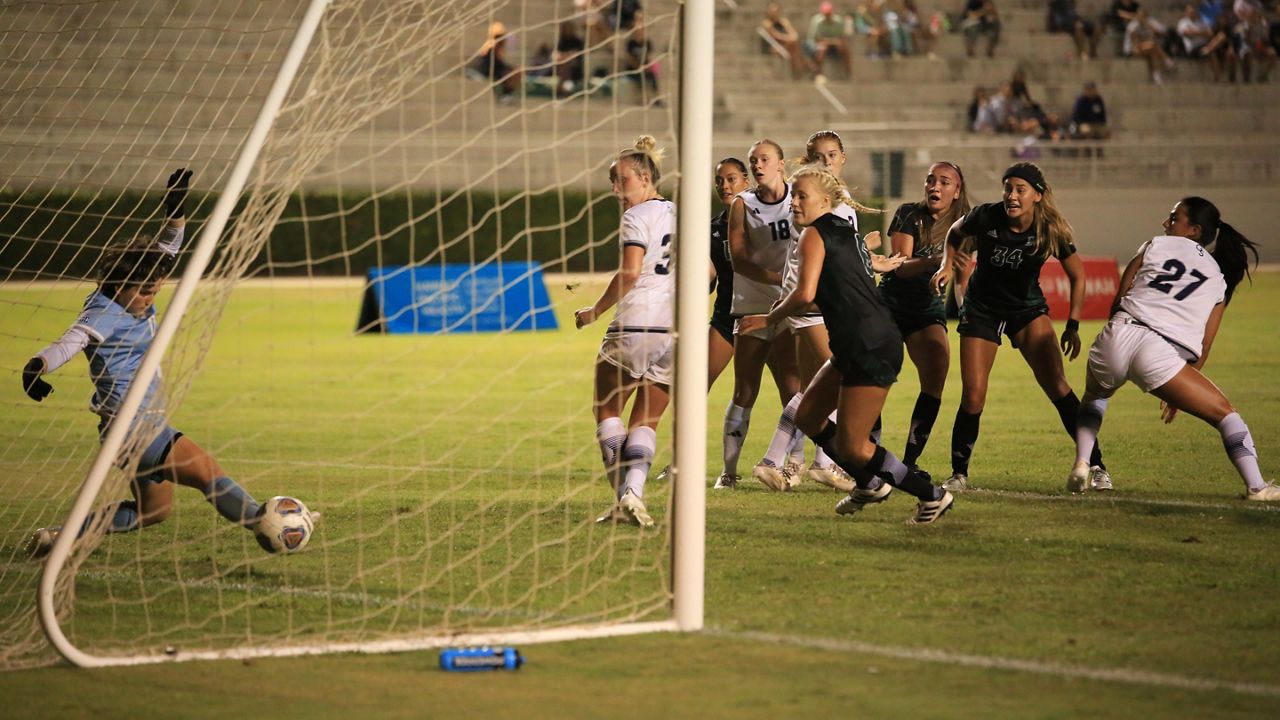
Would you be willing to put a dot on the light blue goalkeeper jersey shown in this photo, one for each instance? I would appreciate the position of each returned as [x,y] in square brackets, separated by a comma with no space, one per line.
[117,342]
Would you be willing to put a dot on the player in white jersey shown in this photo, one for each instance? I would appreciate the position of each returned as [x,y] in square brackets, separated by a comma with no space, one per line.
[638,353]
[760,231]
[115,330]
[1165,317]
[811,346]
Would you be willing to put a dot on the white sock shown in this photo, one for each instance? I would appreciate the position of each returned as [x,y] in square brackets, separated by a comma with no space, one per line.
[611,434]
[1088,422]
[1238,442]
[736,421]
[820,456]
[637,458]
[784,436]
[796,453]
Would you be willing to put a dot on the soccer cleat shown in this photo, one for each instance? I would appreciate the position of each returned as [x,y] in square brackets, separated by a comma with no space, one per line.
[1099,479]
[665,474]
[1267,493]
[794,472]
[772,477]
[633,510]
[316,517]
[1078,480]
[726,482]
[41,541]
[931,510]
[861,497]
[832,477]
[958,482]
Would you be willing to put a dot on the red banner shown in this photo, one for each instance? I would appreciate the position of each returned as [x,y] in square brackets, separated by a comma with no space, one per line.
[1101,278]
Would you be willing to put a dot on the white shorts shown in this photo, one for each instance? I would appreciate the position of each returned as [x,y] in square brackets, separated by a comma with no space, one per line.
[648,355]
[1128,352]
[800,322]
[766,333]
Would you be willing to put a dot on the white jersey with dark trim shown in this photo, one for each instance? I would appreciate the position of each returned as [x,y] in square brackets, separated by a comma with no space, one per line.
[769,236]
[1175,290]
[650,304]
[791,273]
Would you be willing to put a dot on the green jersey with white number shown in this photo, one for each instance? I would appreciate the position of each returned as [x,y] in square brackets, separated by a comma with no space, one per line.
[1007,277]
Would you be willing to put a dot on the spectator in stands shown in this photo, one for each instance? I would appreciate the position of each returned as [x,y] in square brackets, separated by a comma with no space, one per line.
[1117,20]
[980,19]
[1029,117]
[1253,43]
[898,34]
[620,15]
[1121,14]
[1089,116]
[996,115]
[784,34]
[569,65]
[1064,18]
[869,20]
[540,65]
[1142,39]
[491,61]
[591,14]
[1246,10]
[1200,40]
[925,27]
[1193,30]
[827,33]
[639,62]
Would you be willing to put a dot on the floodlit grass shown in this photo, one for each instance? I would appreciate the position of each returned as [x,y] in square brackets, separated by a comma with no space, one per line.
[466,452]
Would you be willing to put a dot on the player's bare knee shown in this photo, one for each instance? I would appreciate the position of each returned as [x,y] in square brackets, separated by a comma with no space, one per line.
[973,399]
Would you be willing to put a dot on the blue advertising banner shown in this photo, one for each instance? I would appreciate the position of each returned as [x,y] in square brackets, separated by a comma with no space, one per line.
[456,298]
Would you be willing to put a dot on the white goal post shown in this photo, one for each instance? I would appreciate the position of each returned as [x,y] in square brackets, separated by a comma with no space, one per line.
[450,611]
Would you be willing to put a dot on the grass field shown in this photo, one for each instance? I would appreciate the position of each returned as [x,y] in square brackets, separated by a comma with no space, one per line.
[1158,600]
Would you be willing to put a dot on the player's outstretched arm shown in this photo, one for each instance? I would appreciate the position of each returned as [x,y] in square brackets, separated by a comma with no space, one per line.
[51,358]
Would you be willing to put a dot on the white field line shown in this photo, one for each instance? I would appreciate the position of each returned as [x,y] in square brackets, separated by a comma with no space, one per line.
[1038,667]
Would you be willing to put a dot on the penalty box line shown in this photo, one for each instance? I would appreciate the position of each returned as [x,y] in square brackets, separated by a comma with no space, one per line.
[988,662]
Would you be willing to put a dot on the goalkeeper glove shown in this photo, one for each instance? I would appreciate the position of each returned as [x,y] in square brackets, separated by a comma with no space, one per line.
[178,183]
[35,388]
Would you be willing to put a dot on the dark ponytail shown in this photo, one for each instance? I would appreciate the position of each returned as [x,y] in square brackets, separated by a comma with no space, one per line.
[1230,248]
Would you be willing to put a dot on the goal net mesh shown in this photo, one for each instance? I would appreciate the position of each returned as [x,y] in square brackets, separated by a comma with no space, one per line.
[457,471]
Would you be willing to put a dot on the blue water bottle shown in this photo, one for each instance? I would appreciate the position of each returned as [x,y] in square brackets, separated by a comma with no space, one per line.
[480,658]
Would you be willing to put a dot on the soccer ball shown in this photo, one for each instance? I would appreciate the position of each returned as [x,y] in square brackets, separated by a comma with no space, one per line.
[284,525]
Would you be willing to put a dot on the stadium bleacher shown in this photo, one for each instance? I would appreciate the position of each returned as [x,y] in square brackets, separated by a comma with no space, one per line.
[1190,133]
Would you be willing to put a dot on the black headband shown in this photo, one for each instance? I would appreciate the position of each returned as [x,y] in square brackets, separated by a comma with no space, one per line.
[1030,173]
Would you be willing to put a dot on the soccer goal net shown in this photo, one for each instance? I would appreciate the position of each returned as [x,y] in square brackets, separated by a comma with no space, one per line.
[378,281]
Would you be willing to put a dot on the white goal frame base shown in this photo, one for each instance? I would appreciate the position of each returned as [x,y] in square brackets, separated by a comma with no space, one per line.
[408,644]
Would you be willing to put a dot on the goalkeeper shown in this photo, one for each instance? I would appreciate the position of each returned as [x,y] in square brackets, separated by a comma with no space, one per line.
[114,330]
